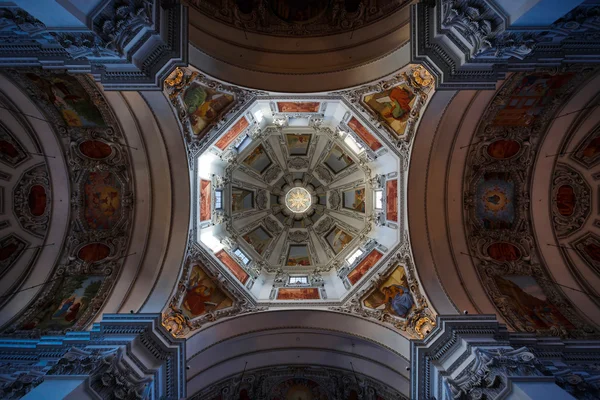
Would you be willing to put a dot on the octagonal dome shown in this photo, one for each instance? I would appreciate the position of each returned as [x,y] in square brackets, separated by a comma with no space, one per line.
[298,200]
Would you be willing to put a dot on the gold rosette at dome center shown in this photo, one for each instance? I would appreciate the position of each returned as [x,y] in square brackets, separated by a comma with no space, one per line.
[298,200]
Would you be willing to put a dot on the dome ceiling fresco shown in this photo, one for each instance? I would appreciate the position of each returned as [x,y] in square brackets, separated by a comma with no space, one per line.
[299,200]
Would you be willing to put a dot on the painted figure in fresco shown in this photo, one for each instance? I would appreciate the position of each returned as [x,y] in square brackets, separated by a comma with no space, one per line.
[196,298]
[70,98]
[494,199]
[340,240]
[398,298]
[399,104]
[64,307]
[203,106]
[72,314]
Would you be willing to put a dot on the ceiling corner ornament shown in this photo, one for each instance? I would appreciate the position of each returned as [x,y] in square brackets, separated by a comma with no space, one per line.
[204,106]
[496,201]
[571,200]
[94,252]
[203,295]
[32,200]
[405,309]
[394,105]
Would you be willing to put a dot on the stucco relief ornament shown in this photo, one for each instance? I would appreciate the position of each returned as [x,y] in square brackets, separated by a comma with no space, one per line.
[571,200]
[334,199]
[35,181]
[487,375]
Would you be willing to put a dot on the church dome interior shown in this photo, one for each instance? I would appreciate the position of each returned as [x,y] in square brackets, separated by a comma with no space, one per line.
[299,199]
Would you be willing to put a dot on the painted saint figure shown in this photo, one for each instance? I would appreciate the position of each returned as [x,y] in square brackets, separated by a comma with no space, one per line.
[399,101]
[64,307]
[196,298]
[398,298]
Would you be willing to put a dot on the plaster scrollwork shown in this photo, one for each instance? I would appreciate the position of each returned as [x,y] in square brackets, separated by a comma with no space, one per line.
[272,226]
[297,163]
[298,236]
[324,174]
[330,383]
[324,225]
[334,199]
[35,177]
[262,199]
[272,173]
[571,200]
[488,373]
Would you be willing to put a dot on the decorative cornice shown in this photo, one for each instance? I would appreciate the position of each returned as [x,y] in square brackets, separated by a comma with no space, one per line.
[468,44]
[130,44]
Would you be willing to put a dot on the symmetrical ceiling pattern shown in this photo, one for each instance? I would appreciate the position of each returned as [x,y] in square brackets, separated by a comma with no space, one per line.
[100,201]
[299,200]
[503,243]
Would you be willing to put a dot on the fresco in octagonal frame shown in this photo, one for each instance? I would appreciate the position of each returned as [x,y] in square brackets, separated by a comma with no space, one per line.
[393,105]
[102,200]
[204,105]
[202,295]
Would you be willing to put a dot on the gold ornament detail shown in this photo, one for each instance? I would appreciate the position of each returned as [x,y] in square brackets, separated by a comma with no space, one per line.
[298,200]
[422,77]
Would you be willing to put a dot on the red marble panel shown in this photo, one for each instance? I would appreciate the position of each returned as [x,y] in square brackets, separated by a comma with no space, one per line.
[365,265]
[204,200]
[391,199]
[232,133]
[364,134]
[233,266]
[298,294]
[292,107]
